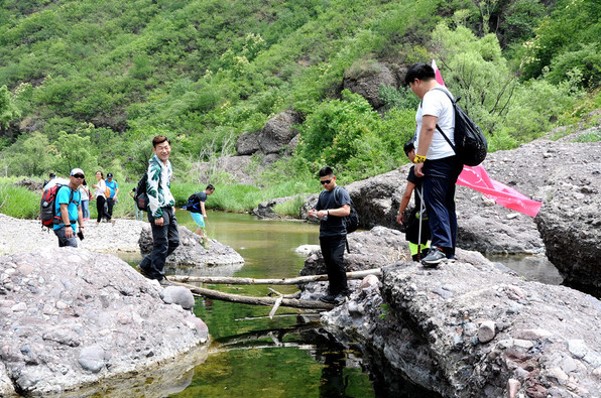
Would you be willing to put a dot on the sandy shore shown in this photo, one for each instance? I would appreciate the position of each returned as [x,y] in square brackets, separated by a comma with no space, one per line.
[18,236]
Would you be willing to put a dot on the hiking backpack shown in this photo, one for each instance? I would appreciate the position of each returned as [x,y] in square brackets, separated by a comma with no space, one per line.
[470,144]
[351,222]
[141,197]
[193,204]
[48,215]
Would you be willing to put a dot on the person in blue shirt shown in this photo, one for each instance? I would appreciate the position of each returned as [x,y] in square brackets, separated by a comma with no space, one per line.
[68,207]
[114,189]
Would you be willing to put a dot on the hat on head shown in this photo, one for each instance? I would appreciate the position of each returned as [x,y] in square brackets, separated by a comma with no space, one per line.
[77,171]
[109,175]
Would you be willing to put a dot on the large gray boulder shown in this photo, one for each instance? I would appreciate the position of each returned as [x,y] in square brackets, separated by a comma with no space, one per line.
[472,329]
[274,138]
[72,318]
[366,78]
[193,258]
[570,220]
[279,131]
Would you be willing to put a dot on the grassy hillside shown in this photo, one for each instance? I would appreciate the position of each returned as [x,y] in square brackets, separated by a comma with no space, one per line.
[88,82]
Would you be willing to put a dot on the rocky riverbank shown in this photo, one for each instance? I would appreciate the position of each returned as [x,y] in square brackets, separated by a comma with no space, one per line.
[22,236]
[469,329]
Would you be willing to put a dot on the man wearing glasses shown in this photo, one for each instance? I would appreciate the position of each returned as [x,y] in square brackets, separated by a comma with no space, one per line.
[68,200]
[332,206]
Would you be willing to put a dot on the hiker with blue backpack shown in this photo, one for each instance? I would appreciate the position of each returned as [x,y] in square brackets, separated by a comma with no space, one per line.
[68,210]
[436,160]
[198,212]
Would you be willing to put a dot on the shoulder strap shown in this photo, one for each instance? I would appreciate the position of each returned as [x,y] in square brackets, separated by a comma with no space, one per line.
[71,192]
[437,126]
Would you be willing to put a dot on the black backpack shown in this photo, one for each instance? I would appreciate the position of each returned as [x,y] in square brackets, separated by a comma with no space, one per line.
[470,144]
[193,204]
[141,197]
[351,222]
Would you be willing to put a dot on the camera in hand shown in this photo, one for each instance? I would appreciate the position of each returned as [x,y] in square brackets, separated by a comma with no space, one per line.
[80,234]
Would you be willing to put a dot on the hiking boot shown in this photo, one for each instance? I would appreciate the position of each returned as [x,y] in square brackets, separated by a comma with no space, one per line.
[144,272]
[433,258]
[451,259]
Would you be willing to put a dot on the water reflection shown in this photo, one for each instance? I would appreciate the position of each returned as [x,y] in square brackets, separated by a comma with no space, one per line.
[531,267]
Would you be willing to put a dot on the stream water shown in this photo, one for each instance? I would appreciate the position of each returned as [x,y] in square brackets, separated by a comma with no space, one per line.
[287,356]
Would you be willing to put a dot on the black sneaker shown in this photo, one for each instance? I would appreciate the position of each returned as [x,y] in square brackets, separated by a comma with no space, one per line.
[434,258]
[328,298]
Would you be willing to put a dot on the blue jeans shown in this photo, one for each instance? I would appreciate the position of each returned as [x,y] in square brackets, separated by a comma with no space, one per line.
[440,177]
[165,239]
[332,249]
[63,240]
[85,209]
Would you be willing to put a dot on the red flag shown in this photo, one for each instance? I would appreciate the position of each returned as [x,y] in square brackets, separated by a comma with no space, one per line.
[477,178]
[437,73]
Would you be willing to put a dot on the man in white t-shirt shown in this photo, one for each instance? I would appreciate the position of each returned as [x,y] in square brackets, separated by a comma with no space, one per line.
[435,160]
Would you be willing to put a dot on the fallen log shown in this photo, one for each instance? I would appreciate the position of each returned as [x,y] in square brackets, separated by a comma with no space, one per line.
[231,280]
[267,301]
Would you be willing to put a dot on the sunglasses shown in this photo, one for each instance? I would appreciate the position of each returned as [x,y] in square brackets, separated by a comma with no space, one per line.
[79,176]
[324,182]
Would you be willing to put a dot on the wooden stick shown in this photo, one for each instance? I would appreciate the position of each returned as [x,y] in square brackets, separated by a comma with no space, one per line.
[283,281]
[268,301]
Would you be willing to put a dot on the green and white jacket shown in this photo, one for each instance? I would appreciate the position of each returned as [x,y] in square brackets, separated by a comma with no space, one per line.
[158,186]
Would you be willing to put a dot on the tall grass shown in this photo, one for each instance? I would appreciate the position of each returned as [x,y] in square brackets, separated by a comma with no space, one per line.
[18,202]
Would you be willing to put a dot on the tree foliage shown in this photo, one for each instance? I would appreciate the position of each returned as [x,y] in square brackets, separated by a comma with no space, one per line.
[89,82]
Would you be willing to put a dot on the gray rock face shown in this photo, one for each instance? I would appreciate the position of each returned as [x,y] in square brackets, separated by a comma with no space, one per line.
[192,258]
[71,318]
[366,80]
[279,131]
[275,136]
[247,144]
[570,220]
[470,329]
[376,248]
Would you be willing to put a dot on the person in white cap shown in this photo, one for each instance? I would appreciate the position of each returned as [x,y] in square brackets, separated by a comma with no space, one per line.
[68,206]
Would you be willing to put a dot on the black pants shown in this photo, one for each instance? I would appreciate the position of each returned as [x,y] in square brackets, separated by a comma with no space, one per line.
[165,239]
[439,196]
[110,203]
[332,249]
[100,209]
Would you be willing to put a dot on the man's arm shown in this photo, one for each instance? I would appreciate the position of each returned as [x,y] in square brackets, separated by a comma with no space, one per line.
[343,211]
[64,207]
[400,217]
[425,139]
[202,209]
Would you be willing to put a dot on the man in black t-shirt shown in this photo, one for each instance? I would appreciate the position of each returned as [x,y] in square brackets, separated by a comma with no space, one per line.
[333,205]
